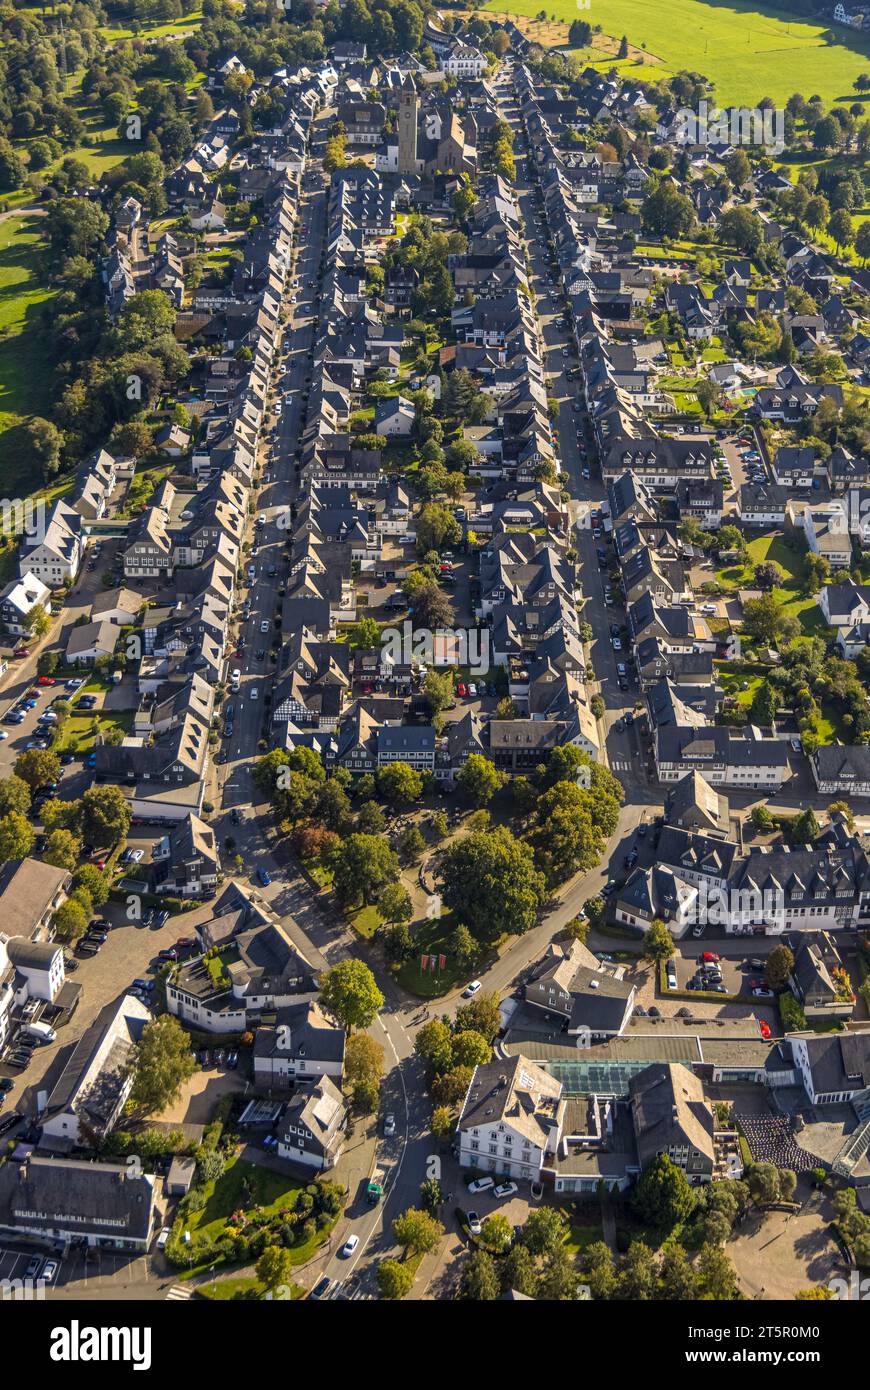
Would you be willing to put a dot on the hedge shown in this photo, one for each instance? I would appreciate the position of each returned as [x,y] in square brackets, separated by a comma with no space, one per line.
[794,1020]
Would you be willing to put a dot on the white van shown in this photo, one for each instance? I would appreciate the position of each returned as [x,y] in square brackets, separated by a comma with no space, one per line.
[39,1032]
[235,679]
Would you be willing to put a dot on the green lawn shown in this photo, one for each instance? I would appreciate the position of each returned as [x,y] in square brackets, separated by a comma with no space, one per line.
[80,730]
[790,595]
[222,1290]
[431,937]
[748,50]
[242,1187]
[25,375]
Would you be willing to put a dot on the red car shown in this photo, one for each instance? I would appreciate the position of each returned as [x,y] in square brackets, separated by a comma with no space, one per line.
[46,680]
[186,942]
[25,651]
[765,1028]
[710,955]
[460,689]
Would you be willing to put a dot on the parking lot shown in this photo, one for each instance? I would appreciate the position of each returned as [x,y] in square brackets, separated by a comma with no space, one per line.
[130,951]
[737,975]
[20,1266]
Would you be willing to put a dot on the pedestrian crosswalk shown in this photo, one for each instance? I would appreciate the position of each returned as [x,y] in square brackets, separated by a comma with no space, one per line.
[180,1291]
[620,765]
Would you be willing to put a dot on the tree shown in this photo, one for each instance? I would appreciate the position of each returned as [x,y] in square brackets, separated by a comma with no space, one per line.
[363,1061]
[841,229]
[743,229]
[545,1230]
[14,795]
[364,633]
[394,1279]
[479,779]
[677,1279]
[411,844]
[717,1278]
[63,850]
[518,1271]
[479,1279]
[778,967]
[764,704]
[349,992]
[431,1195]
[438,690]
[805,827]
[862,242]
[275,1267]
[490,881]
[470,1049]
[738,168]
[106,815]
[436,527]
[362,868]
[637,1275]
[442,1124]
[559,1279]
[416,1232]
[598,1270]
[662,1195]
[666,212]
[658,944]
[434,1046]
[37,766]
[45,443]
[399,783]
[762,619]
[451,1087]
[481,1015]
[163,1061]
[394,904]
[762,819]
[69,921]
[623,47]
[17,836]
[498,1232]
[768,575]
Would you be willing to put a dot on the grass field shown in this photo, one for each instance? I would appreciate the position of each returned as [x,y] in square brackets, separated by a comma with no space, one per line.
[24,373]
[747,50]
[794,601]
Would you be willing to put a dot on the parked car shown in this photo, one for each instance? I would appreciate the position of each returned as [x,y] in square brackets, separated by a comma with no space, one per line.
[505,1189]
[471,989]
[481,1185]
[474,1224]
[389,1126]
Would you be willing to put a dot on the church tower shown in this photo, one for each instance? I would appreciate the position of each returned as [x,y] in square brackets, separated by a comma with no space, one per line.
[408,108]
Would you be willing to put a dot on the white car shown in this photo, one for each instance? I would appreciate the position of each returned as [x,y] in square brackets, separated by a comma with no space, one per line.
[163,1237]
[474,1225]
[349,1246]
[265,625]
[480,1185]
[253,693]
[389,1126]
[471,989]
[3,734]
[763,993]
[505,1189]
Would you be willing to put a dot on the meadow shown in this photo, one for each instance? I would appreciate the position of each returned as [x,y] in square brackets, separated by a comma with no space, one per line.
[24,373]
[748,51]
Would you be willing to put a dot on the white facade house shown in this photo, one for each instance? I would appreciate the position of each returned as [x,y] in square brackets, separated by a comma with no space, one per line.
[510,1120]
[56,555]
[464,61]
